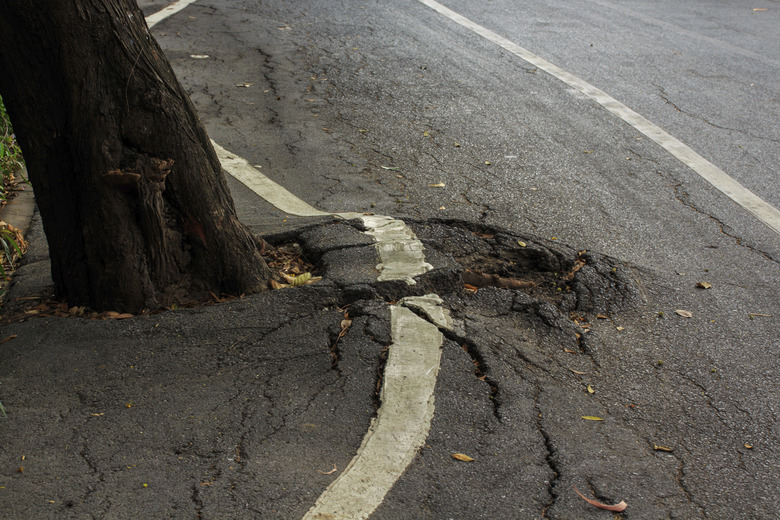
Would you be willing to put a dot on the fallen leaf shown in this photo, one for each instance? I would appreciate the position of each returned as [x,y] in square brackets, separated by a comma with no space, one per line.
[456,145]
[97,414]
[442,207]
[656,447]
[488,163]
[592,418]
[470,288]
[199,56]
[620,328]
[591,390]
[521,243]
[461,456]
[276,285]
[602,316]
[426,134]
[301,279]
[761,9]
[684,314]
[437,185]
[575,371]
[749,446]
[617,507]
[704,285]
[331,472]
[245,85]
[570,351]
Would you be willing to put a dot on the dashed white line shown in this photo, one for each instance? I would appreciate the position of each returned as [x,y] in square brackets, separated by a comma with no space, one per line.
[762,210]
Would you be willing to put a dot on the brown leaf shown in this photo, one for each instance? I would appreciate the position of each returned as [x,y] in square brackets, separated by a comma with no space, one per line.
[461,456]
[331,472]
[617,507]
[704,285]
[602,317]
[9,338]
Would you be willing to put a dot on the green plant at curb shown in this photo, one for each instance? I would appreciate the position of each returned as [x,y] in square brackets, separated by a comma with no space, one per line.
[11,160]
[9,244]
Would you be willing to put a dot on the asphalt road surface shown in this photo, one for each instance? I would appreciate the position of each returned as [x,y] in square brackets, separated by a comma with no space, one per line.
[395,109]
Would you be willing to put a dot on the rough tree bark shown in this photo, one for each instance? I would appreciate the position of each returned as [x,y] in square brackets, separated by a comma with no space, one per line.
[133,200]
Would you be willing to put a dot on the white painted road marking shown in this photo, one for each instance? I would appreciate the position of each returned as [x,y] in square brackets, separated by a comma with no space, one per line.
[164,13]
[402,422]
[400,251]
[763,211]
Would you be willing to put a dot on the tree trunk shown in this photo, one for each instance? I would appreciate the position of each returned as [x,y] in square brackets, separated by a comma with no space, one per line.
[133,200]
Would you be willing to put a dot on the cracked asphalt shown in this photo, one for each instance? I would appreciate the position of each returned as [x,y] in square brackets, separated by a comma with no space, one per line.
[240,410]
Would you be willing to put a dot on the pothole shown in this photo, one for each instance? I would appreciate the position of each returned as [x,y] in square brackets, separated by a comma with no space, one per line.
[556,273]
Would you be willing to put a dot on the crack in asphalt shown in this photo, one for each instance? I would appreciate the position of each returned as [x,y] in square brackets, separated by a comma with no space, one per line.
[550,454]
[663,95]
[683,198]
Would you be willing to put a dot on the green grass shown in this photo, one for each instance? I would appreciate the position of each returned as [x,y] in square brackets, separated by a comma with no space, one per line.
[11,160]
[11,163]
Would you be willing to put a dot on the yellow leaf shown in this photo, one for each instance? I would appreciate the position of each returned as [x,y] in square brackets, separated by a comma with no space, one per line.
[749,446]
[591,390]
[521,243]
[592,418]
[301,279]
[461,456]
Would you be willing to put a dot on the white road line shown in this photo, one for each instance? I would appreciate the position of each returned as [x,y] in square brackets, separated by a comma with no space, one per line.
[402,422]
[164,13]
[763,211]
[400,251]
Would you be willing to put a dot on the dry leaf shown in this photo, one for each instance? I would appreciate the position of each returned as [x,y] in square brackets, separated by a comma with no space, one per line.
[749,446]
[331,472]
[576,371]
[591,390]
[469,288]
[570,351]
[684,314]
[437,185]
[461,456]
[620,328]
[592,418]
[656,447]
[521,243]
[276,285]
[602,317]
[617,507]
[245,85]
[199,56]
[301,279]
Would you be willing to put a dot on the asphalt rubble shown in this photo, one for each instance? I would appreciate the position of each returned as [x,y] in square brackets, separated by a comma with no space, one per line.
[242,409]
